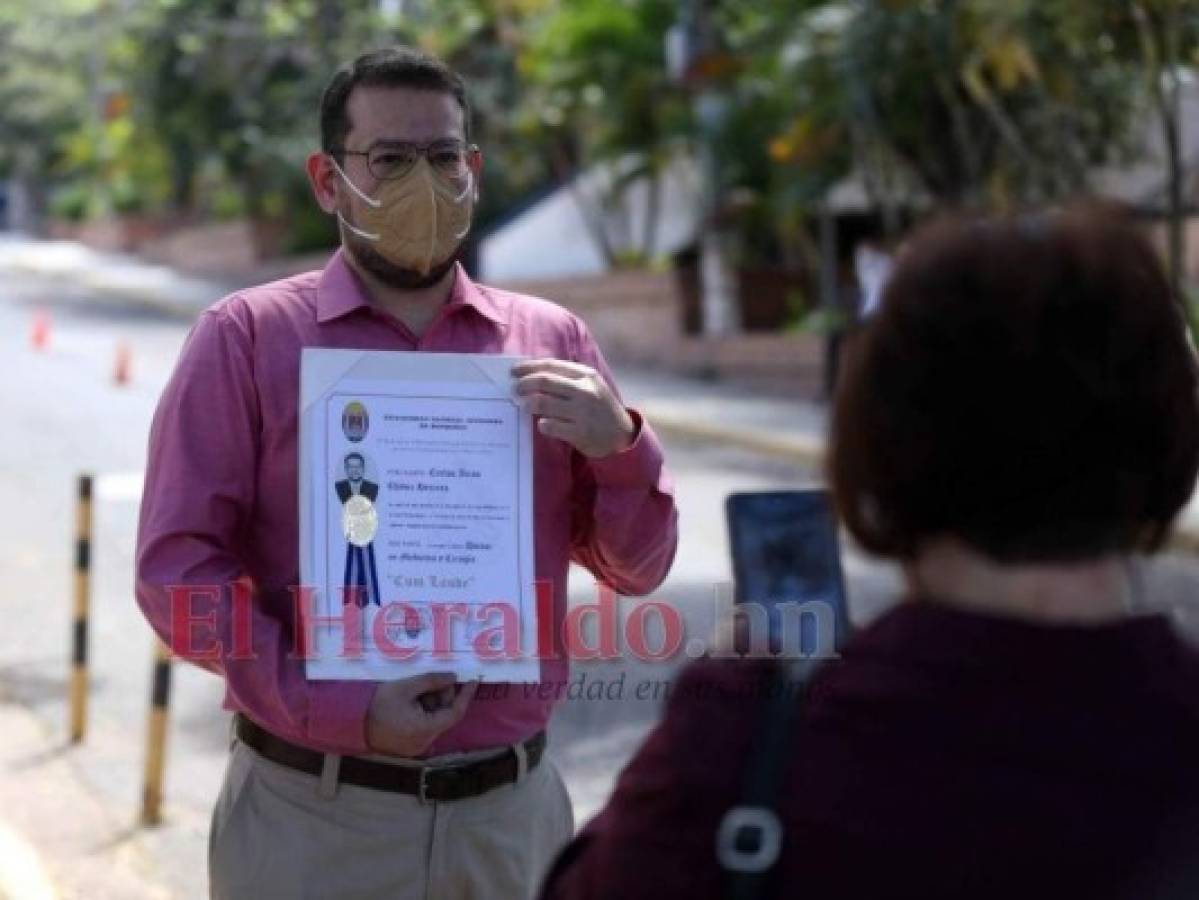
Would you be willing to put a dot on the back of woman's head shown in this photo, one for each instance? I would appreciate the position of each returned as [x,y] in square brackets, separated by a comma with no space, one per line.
[1027,386]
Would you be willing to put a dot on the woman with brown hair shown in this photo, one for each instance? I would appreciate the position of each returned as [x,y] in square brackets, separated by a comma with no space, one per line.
[1017,421]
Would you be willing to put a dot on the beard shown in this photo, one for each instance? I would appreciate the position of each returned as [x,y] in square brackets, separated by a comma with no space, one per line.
[380,267]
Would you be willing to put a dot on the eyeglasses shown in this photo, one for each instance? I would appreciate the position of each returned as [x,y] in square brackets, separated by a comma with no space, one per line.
[388,160]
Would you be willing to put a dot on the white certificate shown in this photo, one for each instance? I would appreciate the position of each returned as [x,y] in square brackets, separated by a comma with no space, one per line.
[416,516]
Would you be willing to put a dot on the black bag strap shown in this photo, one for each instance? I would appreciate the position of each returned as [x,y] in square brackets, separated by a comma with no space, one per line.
[749,839]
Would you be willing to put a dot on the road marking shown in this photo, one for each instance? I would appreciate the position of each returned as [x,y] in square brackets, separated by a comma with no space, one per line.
[22,875]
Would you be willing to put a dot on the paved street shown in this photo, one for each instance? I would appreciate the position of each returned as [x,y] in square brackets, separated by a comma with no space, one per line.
[64,414]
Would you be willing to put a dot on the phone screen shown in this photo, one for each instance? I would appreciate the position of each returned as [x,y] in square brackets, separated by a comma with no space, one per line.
[787,561]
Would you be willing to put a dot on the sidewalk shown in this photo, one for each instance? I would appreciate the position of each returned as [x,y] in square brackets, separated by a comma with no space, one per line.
[58,839]
[791,430]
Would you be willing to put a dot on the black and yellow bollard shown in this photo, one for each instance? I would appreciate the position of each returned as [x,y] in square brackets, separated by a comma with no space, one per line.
[156,736]
[83,559]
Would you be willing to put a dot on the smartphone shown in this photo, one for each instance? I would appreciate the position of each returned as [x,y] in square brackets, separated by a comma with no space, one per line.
[787,564]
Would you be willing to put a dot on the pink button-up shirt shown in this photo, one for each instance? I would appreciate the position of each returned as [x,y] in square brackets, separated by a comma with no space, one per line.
[220,499]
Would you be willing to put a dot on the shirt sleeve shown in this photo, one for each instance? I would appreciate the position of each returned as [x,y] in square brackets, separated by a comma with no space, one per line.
[625,525]
[195,514]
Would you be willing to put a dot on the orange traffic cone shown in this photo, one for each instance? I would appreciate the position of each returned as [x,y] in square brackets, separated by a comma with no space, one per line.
[123,365]
[39,334]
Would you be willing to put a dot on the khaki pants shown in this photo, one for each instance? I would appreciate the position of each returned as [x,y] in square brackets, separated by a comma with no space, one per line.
[278,833]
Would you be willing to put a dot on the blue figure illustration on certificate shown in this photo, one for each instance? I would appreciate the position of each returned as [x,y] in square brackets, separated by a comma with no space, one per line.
[358,495]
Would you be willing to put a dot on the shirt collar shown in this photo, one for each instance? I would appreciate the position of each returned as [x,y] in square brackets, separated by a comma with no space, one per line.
[340,292]
[482,300]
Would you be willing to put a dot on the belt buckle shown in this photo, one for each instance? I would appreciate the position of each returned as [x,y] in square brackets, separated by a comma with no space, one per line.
[422,785]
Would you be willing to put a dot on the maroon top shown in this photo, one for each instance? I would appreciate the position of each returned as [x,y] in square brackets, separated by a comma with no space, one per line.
[947,754]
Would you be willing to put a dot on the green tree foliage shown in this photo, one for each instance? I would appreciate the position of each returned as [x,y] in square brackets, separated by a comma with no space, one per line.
[978,102]
[43,93]
[208,107]
[597,92]
[232,88]
[954,103]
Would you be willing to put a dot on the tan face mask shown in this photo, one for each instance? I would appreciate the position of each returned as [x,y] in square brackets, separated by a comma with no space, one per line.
[417,221]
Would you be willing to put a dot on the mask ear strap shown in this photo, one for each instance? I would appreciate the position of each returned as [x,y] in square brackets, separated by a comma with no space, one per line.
[353,187]
[429,182]
[464,232]
[470,186]
[358,231]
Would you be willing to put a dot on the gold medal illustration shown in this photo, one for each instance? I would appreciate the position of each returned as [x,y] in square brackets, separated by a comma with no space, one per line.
[359,520]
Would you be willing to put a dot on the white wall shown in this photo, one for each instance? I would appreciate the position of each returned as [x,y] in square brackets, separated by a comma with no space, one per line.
[551,239]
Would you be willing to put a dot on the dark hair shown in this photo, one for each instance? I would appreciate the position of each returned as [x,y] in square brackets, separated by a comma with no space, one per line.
[1027,386]
[390,67]
[355,455]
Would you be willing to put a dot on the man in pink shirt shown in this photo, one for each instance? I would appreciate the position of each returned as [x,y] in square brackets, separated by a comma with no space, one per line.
[414,787]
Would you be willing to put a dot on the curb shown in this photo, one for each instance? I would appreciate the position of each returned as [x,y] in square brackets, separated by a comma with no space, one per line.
[1184,539]
[801,451]
[149,297]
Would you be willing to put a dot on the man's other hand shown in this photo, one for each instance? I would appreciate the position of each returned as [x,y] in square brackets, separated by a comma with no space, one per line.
[407,715]
[572,402]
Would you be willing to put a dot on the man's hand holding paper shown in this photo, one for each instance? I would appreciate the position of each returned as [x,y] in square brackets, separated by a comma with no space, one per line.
[408,714]
[574,403]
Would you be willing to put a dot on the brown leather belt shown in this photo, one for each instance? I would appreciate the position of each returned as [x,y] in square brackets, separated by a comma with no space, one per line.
[437,783]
